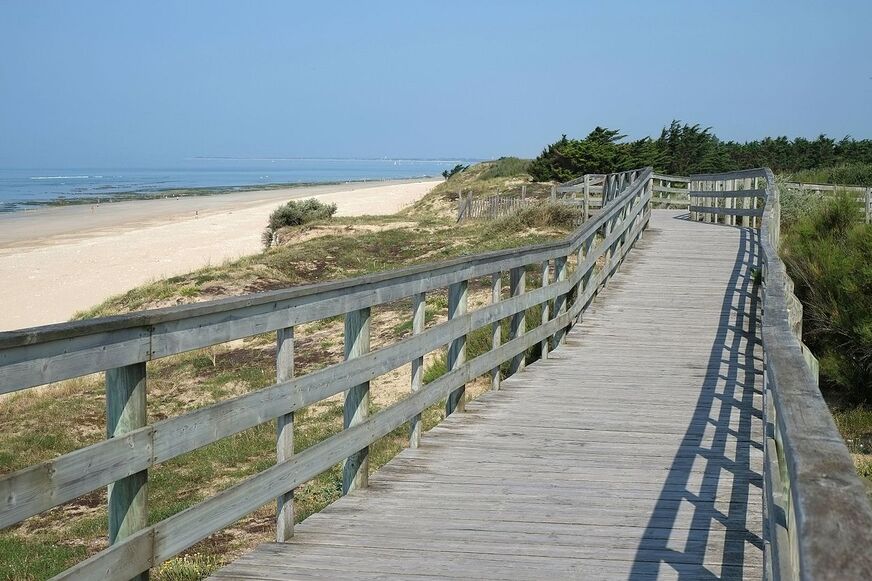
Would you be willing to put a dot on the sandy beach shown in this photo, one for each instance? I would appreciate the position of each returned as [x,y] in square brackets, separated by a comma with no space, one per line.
[57,261]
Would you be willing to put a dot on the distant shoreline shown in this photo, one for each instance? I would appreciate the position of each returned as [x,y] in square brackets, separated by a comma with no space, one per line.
[171,193]
[57,260]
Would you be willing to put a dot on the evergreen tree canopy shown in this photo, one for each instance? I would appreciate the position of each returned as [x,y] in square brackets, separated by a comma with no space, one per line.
[684,149]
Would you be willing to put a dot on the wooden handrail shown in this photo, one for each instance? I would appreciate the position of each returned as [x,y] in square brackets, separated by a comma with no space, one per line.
[818,520]
[121,345]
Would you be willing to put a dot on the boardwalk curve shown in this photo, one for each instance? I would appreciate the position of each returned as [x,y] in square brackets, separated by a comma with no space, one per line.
[635,451]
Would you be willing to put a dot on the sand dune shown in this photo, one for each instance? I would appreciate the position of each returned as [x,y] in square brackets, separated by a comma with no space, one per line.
[56,261]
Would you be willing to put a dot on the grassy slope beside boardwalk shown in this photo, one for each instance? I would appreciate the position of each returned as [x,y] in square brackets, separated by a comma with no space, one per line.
[30,432]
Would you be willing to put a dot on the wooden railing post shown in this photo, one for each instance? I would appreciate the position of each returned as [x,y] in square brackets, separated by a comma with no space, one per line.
[284,433]
[497,328]
[586,197]
[517,328]
[746,202]
[125,412]
[419,306]
[583,251]
[355,471]
[609,227]
[560,272]
[457,301]
[869,205]
[546,306]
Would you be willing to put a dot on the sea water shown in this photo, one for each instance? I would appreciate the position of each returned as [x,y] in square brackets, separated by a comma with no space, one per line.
[27,188]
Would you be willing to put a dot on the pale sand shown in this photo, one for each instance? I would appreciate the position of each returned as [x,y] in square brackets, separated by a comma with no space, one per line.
[57,261]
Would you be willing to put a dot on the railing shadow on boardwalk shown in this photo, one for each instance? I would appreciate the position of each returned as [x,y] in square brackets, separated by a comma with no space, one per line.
[730,379]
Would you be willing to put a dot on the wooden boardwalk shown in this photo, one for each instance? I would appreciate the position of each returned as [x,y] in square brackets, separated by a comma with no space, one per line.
[634,452]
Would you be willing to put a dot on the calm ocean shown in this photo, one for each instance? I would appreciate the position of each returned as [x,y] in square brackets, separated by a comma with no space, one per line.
[21,188]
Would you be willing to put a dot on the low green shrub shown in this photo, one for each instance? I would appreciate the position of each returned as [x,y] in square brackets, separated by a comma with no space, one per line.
[827,253]
[296,213]
[505,167]
[558,215]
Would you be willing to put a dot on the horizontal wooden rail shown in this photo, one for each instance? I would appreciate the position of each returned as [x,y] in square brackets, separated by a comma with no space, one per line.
[669,178]
[729,194]
[727,211]
[669,190]
[123,344]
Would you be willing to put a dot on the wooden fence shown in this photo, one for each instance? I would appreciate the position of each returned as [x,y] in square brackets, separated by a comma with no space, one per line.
[585,193]
[817,518]
[581,265]
[863,193]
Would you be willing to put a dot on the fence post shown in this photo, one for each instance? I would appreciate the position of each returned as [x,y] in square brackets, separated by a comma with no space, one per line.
[355,471]
[457,300]
[560,269]
[649,190]
[546,275]
[460,205]
[497,328]
[690,200]
[126,411]
[553,193]
[869,205]
[517,328]
[586,197]
[284,433]
[419,309]
[524,192]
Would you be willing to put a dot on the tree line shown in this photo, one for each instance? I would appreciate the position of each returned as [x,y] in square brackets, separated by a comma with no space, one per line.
[684,149]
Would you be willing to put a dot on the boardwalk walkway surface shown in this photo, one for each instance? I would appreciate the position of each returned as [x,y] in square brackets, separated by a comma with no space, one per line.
[634,452]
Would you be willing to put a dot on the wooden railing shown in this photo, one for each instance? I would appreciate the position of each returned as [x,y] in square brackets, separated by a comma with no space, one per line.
[817,519]
[581,265]
[586,193]
[670,191]
[863,194]
[491,207]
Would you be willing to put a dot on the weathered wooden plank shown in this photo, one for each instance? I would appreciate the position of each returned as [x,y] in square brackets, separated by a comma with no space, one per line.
[727,211]
[355,470]
[126,412]
[517,326]
[759,194]
[457,303]
[496,327]
[284,433]
[669,190]
[419,310]
[32,490]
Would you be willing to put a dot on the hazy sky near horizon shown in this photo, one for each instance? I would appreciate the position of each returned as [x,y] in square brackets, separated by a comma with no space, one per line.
[120,83]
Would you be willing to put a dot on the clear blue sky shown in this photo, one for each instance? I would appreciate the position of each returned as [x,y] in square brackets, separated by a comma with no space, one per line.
[145,83]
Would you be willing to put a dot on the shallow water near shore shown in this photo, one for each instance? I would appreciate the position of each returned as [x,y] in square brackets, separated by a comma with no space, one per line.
[27,188]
